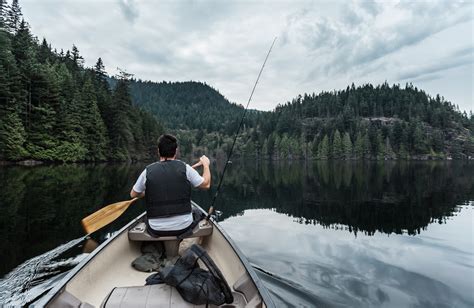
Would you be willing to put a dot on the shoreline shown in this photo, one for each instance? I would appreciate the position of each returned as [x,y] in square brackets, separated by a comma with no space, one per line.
[33,163]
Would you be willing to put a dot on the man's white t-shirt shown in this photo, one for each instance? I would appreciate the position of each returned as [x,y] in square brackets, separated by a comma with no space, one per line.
[177,222]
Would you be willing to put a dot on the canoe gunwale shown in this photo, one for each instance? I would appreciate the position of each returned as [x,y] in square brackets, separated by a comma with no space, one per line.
[262,290]
[58,289]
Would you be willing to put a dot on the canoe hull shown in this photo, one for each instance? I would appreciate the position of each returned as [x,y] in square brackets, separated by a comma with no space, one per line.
[109,266]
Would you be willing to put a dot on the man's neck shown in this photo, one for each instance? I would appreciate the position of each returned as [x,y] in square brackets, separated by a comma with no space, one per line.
[167,158]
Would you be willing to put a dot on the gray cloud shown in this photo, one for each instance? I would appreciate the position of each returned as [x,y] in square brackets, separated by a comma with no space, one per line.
[129,9]
[322,45]
[358,38]
[371,7]
[458,58]
[425,78]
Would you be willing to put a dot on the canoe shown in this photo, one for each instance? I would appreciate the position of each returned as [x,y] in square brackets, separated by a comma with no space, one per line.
[106,278]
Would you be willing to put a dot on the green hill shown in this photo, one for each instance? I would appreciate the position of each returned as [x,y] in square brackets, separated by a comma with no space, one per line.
[366,122]
[187,105]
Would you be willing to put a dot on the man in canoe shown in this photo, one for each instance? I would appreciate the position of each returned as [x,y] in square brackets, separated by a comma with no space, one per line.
[166,186]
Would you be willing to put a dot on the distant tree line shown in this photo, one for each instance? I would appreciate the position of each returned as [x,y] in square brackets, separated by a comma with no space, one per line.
[52,108]
[365,122]
[382,122]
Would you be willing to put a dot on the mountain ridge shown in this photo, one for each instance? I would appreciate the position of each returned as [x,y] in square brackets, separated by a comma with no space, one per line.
[431,127]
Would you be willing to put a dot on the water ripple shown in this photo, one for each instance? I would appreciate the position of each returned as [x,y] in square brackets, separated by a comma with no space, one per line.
[35,276]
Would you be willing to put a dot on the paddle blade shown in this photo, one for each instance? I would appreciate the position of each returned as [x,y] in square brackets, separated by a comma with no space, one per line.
[104,216]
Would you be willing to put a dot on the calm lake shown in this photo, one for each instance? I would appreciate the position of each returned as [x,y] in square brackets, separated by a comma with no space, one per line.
[330,234]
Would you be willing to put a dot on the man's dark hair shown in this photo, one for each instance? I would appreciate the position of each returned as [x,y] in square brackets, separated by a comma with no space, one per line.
[167,145]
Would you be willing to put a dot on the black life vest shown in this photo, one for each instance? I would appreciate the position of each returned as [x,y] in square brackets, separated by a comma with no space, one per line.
[167,189]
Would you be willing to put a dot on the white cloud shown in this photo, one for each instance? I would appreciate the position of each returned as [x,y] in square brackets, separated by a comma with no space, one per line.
[321,46]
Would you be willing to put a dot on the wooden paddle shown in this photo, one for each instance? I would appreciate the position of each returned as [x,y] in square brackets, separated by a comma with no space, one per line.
[109,213]
[105,215]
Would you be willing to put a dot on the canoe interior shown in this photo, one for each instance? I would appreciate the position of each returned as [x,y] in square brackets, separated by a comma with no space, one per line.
[111,268]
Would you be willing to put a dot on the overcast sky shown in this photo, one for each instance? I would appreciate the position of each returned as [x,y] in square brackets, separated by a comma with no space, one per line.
[321,45]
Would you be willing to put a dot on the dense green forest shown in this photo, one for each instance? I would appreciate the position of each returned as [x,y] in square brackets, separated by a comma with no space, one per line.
[52,108]
[365,122]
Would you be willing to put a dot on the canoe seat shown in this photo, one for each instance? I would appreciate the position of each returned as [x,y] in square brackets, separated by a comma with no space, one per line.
[139,234]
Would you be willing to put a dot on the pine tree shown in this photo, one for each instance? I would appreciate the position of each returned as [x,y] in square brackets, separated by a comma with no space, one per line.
[23,47]
[99,71]
[359,146]
[45,103]
[323,151]
[337,146]
[3,13]
[121,137]
[285,146]
[44,53]
[14,17]
[94,137]
[347,146]
[77,59]
[380,146]
[419,140]
[12,138]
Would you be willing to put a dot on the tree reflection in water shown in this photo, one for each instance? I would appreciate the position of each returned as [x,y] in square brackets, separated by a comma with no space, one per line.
[389,197]
[41,207]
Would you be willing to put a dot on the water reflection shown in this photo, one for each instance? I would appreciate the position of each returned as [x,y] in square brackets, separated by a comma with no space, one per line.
[312,265]
[303,242]
[388,197]
[41,207]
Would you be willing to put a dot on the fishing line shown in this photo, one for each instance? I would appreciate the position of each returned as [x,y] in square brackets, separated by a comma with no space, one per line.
[211,209]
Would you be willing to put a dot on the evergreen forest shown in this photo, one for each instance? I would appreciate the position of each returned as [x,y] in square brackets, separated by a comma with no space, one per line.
[53,108]
[383,122]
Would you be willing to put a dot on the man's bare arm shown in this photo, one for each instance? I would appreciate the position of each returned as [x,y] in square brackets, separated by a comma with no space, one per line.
[206,173]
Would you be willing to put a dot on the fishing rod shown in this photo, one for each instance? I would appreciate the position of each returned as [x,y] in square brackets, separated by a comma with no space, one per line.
[211,209]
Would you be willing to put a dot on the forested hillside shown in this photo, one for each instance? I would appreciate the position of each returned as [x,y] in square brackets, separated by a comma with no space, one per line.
[52,108]
[366,122]
[372,122]
[187,105]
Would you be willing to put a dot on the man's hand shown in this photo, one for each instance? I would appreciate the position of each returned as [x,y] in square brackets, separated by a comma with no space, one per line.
[201,162]
[134,194]
[204,160]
